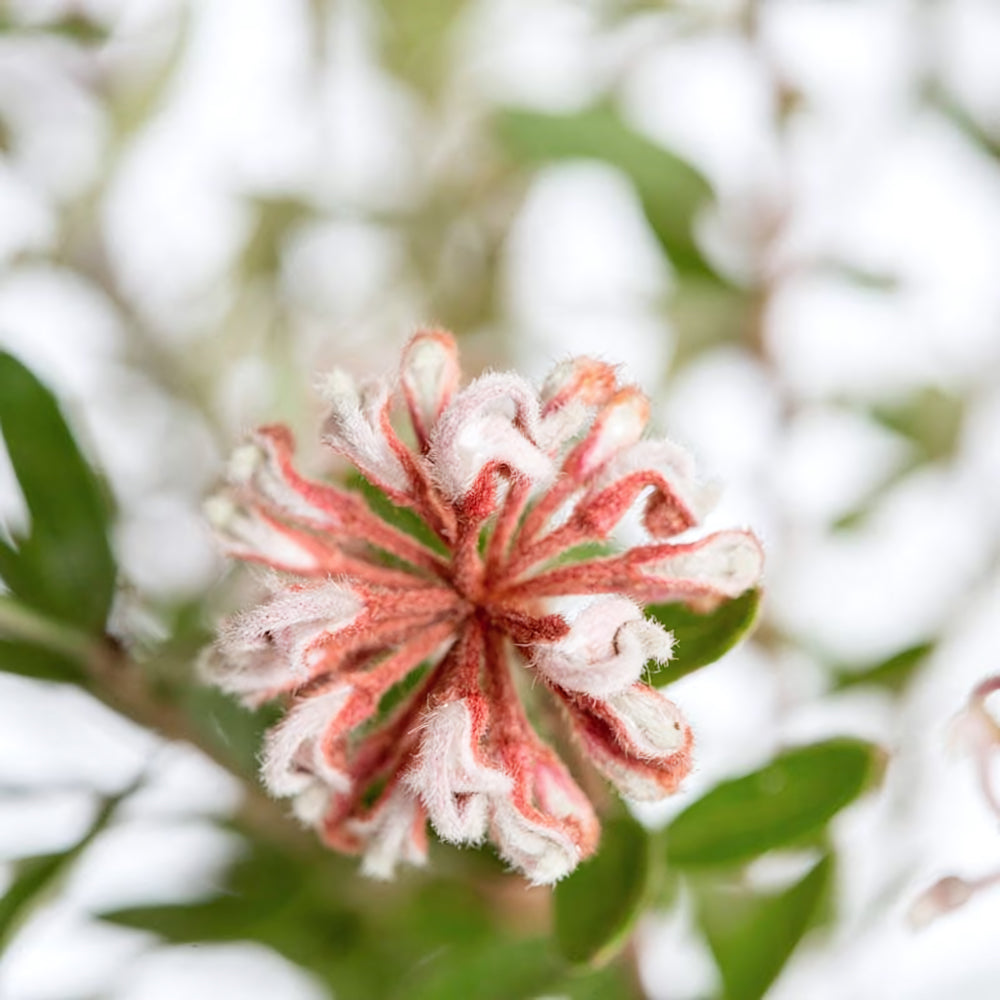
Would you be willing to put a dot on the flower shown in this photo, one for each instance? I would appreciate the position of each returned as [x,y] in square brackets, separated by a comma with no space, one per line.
[973,731]
[467,628]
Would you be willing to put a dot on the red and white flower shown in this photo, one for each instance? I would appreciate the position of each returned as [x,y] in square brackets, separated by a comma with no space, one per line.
[507,479]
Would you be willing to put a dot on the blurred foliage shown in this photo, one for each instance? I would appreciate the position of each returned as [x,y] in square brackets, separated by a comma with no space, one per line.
[427,936]
[702,638]
[753,934]
[892,674]
[596,906]
[459,931]
[671,190]
[63,566]
[787,802]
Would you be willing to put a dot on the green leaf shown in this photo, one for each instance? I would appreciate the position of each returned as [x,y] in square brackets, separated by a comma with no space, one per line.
[893,674]
[237,731]
[752,935]
[277,218]
[262,885]
[596,906]
[613,982]
[415,39]
[399,517]
[33,877]
[672,192]
[931,418]
[64,567]
[789,800]
[700,639]
[706,315]
[27,660]
[498,969]
[79,28]
[36,877]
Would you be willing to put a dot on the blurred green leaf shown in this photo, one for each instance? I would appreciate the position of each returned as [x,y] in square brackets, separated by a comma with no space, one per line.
[276,218]
[707,314]
[672,192]
[259,899]
[752,935]
[893,674]
[613,982]
[64,567]
[937,97]
[700,639]
[74,26]
[237,731]
[861,277]
[596,906]
[931,418]
[497,969]
[790,799]
[415,40]
[79,28]
[33,876]
[27,660]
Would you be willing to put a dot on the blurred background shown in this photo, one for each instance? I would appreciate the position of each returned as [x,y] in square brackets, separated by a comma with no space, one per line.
[781,217]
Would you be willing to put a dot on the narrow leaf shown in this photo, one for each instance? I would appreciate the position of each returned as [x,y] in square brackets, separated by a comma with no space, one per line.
[702,639]
[596,906]
[399,517]
[65,567]
[790,799]
[931,418]
[34,876]
[893,674]
[260,886]
[672,192]
[27,660]
[752,935]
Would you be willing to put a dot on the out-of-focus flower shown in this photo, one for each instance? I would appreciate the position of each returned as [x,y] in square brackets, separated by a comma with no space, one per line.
[974,731]
[508,480]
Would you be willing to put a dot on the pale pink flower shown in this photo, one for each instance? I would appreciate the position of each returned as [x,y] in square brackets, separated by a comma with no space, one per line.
[508,479]
[976,732]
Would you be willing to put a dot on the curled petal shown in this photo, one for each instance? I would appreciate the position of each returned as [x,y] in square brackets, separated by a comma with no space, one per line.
[429,375]
[249,533]
[490,426]
[645,723]
[618,425]
[263,467]
[583,379]
[394,832]
[253,676]
[569,395]
[357,427]
[547,826]
[560,796]
[274,646]
[678,501]
[294,764]
[543,851]
[449,774]
[638,739]
[606,649]
[724,564]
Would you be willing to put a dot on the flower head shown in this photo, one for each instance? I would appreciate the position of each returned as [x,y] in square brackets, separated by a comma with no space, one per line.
[507,479]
